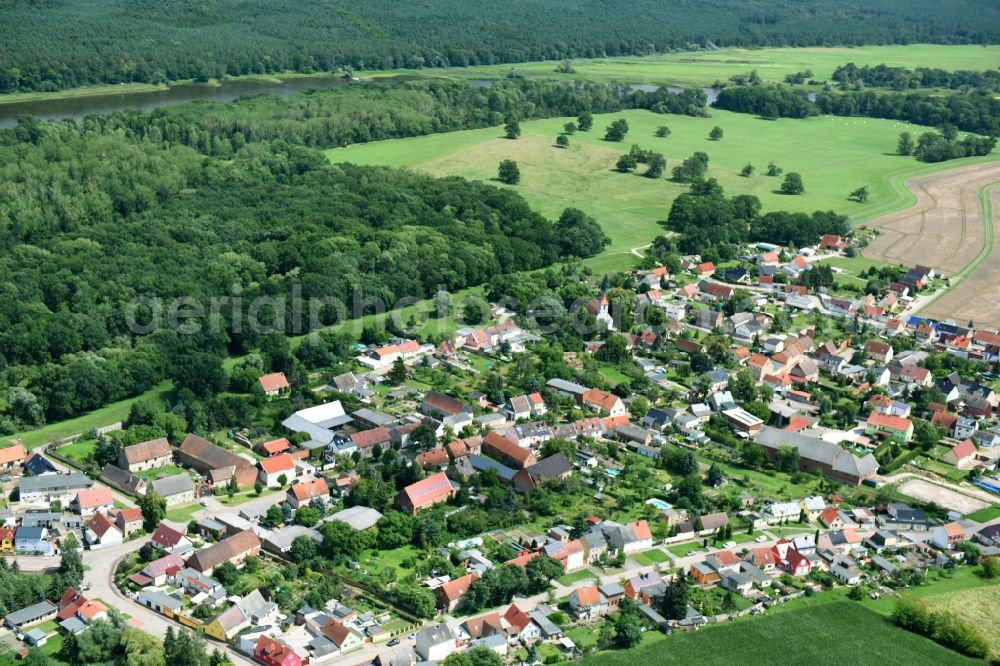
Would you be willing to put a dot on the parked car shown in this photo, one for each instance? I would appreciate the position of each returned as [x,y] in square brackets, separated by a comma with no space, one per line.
[393,642]
[730,544]
[761,539]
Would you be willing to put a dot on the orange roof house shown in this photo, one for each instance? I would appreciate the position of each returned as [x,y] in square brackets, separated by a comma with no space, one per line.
[274,383]
[12,456]
[306,491]
[450,594]
[506,451]
[276,446]
[425,493]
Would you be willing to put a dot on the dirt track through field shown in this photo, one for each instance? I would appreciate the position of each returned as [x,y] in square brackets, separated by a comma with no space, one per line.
[945,230]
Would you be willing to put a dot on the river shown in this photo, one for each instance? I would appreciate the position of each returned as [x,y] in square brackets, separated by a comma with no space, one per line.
[224,91]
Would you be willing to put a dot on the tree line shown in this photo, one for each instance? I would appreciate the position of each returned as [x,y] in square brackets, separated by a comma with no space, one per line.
[51,46]
[970,112]
[903,78]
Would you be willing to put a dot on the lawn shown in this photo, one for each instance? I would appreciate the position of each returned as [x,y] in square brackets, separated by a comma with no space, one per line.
[682,549]
[107,415]
[576,577]
[182,514]
[703,68]
[834,155]
[247,495]
[833,634]
[166,470]
[650,557]
[79,450]
[985,515]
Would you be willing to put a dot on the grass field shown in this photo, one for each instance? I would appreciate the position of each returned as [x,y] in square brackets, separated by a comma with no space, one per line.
[834,155]
[100,417]
[985,515]
[834,634]
[704,68]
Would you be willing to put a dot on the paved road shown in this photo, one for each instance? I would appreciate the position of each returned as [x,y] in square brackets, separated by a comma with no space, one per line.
[99,582]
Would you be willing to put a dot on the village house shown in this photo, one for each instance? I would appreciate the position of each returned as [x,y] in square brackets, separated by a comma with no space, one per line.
[175,489]
[146,455]
[271,470]
[304,492]
[425,493]
[215,462]
[234,549]
[92,500]
[274,384]
[101,531]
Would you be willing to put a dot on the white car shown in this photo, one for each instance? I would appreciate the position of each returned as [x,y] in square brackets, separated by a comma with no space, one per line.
[761,539]
[730,544]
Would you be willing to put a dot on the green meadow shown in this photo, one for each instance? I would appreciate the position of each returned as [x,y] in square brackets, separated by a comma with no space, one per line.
[835,155]
[703,68]
[834,634]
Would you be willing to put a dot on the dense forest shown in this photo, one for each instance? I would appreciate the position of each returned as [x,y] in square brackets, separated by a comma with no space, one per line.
[971,112]
[92,218]
[55,44]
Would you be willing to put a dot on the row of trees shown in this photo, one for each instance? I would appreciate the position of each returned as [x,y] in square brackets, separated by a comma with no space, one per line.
[972,112]
[903,78]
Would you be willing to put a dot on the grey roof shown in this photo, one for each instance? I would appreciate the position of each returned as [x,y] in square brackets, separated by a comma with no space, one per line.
[611,589]
[481,463]
[650,614]
[33,612]
[54,482]
[563,385]
[439,633]
[173,485]
[372,416]
[282,539]
[159,599]
[818,450]
[551,467]
[73,625]
[358,517]
[36,634]
[548,627]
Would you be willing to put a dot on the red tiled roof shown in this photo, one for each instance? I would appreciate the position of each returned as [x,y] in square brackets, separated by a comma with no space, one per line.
[12,454]
[93,497]
[309,489]
[276,464]
[276,446]
[964,449]
[371,437]
[431,489]
[456,589]
[166,536]
[889,421]
[641,530]
[100,524]
[588,595]
[508,448]
[273,382]
[438,456]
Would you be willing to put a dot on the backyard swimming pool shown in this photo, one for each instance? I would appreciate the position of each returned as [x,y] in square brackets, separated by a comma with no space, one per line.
[658,503]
